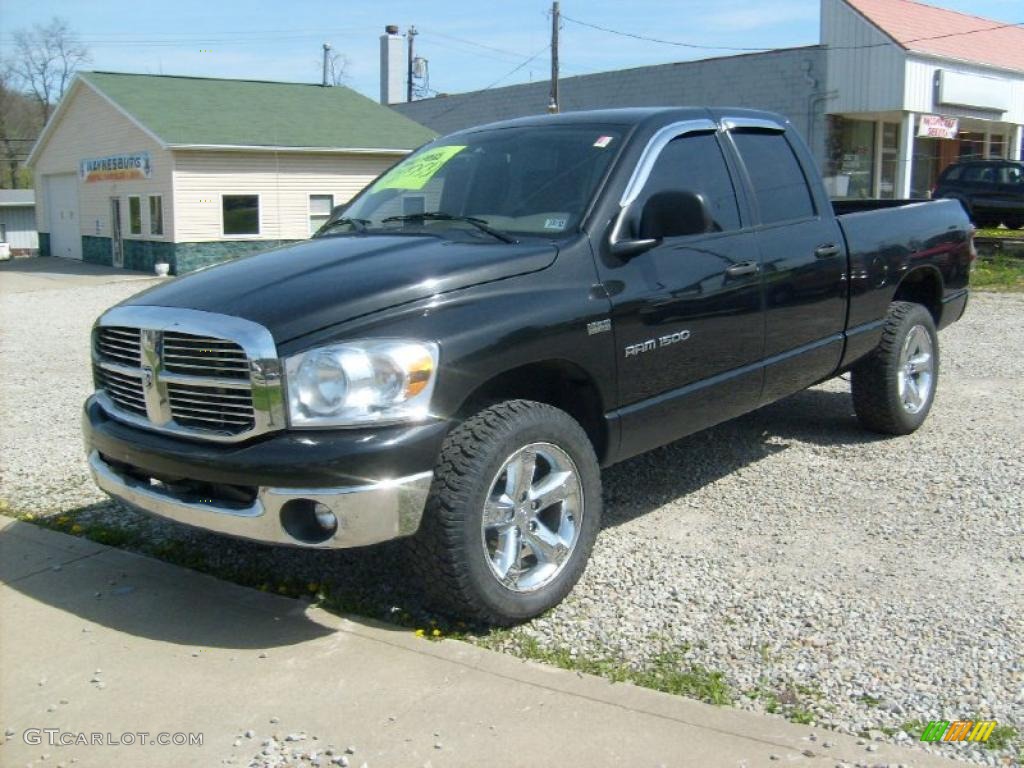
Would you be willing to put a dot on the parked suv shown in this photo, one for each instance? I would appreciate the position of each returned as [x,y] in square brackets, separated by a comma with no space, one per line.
[991,191]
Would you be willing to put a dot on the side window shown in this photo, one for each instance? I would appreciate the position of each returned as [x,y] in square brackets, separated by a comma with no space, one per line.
[974,173]
[779,183]
[952,173]
[695,163]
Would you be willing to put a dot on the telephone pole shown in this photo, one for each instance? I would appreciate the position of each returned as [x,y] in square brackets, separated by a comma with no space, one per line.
[408,87]
[553,103]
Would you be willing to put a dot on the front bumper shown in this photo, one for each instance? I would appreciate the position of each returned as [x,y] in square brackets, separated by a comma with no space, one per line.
[374,482]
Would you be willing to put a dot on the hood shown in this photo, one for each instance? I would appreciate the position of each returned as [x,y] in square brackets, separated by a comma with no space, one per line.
[305,287]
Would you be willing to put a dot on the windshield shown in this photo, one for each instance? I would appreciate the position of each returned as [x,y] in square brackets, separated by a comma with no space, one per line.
[492,184]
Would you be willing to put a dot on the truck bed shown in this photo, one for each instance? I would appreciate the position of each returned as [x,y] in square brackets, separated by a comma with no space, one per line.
[885,239]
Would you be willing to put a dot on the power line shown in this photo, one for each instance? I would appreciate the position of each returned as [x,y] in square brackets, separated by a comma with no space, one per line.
[494,83]
[699,46]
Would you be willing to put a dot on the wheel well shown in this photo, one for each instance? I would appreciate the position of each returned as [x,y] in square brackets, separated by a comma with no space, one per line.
[555,382]
[922,286]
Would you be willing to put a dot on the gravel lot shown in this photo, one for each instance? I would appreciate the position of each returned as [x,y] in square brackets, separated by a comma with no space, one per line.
[856,582]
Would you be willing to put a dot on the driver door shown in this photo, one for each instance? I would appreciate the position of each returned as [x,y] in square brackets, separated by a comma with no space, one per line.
[687,314]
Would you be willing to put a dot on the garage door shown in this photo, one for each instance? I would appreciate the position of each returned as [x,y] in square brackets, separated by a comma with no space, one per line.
[62,203]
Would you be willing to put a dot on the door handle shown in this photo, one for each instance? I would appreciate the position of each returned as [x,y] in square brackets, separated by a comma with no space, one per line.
[826,251]
[743,268]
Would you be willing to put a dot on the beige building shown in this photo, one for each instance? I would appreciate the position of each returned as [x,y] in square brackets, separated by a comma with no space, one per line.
[132,170]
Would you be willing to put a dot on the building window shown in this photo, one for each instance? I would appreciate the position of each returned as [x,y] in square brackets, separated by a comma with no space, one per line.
[320,207]
[779,183]
[156,215]
[241,214]
[134,215]
[851,168]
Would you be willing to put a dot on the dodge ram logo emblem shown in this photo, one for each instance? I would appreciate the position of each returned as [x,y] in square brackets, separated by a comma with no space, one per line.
[147,378]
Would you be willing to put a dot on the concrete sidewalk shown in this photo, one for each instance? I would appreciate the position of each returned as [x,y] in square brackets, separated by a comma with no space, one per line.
[94,639]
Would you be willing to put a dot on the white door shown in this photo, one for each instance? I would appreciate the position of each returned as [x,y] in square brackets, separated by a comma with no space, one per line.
[62,203]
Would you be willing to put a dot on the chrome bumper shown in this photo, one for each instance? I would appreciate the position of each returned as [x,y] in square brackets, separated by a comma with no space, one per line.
[366,514]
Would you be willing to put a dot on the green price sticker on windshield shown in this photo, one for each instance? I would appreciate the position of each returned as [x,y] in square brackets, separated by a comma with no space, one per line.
[417,171]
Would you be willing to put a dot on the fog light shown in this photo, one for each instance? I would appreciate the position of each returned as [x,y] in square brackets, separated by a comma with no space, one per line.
[325,517]
[308,521]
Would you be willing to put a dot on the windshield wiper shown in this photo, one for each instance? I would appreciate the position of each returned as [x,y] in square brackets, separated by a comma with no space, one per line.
[359,225]
[480,224]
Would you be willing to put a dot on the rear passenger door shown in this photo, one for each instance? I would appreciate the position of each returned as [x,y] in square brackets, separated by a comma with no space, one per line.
[803,259]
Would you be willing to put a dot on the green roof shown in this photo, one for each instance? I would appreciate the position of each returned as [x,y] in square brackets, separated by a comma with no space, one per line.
[253,113]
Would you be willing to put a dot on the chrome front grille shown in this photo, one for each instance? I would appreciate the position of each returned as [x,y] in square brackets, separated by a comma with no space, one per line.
[124,389]
[203,356]
[211,407]
[187,372]
[120,345]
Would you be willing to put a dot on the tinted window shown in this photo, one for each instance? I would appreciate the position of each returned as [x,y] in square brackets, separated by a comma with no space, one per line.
[695,164]
[1011,174]
[241,214]
[779,184]
[975,172]
[952,173]
[534,180]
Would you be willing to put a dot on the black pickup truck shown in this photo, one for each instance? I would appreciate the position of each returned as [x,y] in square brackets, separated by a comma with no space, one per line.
[455,355]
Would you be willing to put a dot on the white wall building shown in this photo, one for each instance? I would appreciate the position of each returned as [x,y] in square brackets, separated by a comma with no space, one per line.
[132,170]
[18,221]
[913,88]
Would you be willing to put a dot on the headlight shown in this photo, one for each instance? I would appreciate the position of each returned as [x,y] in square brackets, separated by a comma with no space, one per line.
[361,382]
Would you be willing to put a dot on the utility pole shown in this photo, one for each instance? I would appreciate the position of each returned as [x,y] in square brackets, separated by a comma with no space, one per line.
[327,50]
[410,35]
[553,103]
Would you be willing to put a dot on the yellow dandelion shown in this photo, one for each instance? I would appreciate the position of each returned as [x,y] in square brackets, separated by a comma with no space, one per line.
[63,520]
[76,528]
[420,633]
[436,633]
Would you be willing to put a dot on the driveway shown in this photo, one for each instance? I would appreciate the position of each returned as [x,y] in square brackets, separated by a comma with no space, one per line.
[787,561]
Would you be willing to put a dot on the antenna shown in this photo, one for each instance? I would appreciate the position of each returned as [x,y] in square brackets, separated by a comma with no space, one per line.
[410,35]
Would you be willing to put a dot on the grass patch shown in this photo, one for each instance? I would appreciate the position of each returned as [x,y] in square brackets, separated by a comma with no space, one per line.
[1000,273]
[667,671]
[1002,737]
[1001,233]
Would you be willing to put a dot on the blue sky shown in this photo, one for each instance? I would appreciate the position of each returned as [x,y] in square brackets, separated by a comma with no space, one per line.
[468,45]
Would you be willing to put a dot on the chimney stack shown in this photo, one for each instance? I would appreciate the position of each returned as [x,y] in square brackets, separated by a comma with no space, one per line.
[392,66]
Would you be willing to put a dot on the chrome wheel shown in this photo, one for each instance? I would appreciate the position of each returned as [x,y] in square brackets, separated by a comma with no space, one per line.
[532,517]
[916,369]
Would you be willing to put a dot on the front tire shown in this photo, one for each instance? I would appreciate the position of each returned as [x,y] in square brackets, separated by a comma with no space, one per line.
[512,515]
[894,387]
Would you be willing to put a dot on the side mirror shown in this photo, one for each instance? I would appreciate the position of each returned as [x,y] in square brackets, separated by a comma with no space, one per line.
[627,249]
[675,214]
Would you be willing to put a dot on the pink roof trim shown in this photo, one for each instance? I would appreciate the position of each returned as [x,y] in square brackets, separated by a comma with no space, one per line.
[926,29]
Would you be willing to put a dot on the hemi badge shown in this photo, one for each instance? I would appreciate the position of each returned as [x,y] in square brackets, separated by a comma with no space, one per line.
[598,326]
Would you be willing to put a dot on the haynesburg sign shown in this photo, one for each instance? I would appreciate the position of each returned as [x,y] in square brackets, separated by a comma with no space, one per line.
[938,127]
[126,167]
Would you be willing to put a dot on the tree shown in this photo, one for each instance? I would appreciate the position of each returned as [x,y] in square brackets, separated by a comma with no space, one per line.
[337,67]
[45,58]
[19,127]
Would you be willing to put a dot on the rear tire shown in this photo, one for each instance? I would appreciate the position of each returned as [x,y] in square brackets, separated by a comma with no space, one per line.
[512,515]
[894,387]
